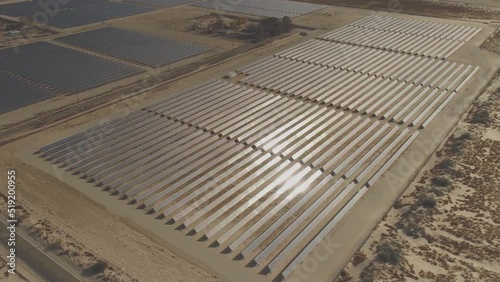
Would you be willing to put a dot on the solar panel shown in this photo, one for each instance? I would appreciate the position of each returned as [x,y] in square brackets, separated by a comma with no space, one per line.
[29,8]
[99,12]
[402,35]
[16,93]
[162,3]
[266,8]
[136,47]
[268,174]
[61,68]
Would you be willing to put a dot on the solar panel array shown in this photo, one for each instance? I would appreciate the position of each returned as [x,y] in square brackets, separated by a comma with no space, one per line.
[265,167]
[162,3]
[60,68]
[17,93]
[400,88]
[404,35]
[95,13]
[226,185]
[265,8]
[133,46]
[74,13]
[29,8]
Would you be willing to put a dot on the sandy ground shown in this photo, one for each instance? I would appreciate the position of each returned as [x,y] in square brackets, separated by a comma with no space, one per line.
[457,240]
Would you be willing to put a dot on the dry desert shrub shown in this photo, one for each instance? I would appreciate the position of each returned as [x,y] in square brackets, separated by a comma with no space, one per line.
[390,253]
[440,181]
[358,258]
[427,201]
[481,116]
[97,268]
[445,164]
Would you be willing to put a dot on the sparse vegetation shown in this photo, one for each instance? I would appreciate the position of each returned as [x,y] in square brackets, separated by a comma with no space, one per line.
[344,277]
[55,246]
[456,144]
[272,27]
[241,27]
[389,253]
[97,268]
[440,181]
[481,116]
[358,258]
[238,24]
[465,136]
[445,164]
[428,201]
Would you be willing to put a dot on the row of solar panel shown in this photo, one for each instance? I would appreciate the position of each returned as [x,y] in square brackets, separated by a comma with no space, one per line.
[60,70]
[73,13]
[17,93]
[399,42]
[266,8]
[265,175]
[162,3]
[136,47]
[405,68]
[415,27]
[361,59]
[27,8]
[221,188]
[77,13]
[410,101]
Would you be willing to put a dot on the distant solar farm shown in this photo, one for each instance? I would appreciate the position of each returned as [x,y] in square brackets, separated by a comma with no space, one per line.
[264,167]
[162,3]
[75,13]
[55,70]
[131,46]
[267,8]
